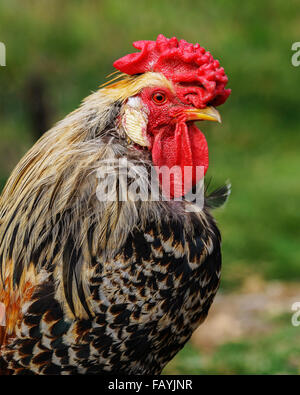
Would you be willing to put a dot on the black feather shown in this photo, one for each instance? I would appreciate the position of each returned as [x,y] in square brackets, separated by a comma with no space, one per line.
[72,267]
[218,197]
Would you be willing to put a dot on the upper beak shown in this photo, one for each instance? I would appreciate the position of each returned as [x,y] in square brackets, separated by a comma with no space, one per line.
[205,114]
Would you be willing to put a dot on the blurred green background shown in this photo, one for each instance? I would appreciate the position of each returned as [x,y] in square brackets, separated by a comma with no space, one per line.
[58,52]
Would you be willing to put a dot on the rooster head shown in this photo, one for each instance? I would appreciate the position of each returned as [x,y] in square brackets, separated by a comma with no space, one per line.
[167,87]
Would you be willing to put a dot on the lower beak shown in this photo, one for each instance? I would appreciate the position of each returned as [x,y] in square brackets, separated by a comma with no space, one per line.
[205,114]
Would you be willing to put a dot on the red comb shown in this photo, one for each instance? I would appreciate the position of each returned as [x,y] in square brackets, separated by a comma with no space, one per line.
[198,76]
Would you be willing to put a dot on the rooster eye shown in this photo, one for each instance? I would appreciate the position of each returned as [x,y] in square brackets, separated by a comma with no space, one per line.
[159,98]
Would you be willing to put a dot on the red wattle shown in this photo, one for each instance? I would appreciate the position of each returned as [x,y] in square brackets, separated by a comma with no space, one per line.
[182,151]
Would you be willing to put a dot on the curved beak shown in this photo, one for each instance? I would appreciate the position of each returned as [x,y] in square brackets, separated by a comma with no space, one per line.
[205,114]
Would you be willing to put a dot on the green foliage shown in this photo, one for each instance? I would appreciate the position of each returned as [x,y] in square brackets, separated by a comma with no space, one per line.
[276,353]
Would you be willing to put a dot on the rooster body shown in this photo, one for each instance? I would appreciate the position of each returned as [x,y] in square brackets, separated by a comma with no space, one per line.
[92,286]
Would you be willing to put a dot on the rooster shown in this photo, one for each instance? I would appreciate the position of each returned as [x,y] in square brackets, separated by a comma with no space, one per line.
[95,286]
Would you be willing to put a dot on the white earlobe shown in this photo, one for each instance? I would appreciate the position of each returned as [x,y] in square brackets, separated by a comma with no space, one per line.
[134,122]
